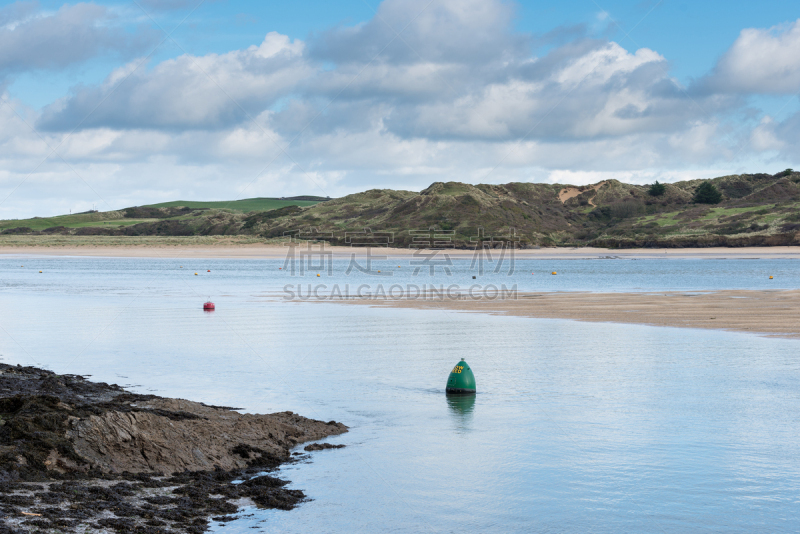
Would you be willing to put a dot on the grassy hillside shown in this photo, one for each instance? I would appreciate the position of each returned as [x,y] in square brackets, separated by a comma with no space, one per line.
[754,210]
[79,220]
[148,214]
[245,205]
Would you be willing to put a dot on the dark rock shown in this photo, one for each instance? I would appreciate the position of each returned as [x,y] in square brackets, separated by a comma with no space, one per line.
[321,446]
[65,430]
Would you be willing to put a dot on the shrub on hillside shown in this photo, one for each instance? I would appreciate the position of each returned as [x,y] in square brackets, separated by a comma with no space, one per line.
[625,209]
[707,193]
[259,217]
[737,188]
[657,189]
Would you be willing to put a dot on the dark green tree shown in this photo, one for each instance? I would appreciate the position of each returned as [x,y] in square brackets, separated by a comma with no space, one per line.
[707,193]
[657,189]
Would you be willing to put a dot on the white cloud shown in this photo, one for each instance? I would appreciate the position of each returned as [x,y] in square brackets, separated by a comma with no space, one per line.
[764,137]
[30,39]
[208,91]
[762,61]
[587,90]
[443,31]
[601,64]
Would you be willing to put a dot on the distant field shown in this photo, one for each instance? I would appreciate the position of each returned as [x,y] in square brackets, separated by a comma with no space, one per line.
[111,218]
[245,205]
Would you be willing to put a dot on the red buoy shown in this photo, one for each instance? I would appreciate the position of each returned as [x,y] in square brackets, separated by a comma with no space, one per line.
[208,306]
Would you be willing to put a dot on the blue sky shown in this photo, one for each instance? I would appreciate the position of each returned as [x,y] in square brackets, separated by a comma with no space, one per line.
[692,35]
[122,103]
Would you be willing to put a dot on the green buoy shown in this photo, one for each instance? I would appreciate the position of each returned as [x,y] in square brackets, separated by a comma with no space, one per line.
[461,379]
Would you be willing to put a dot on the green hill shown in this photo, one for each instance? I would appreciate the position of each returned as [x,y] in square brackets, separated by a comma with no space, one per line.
[754,210]
[245,205]
[78,220]
[148,214]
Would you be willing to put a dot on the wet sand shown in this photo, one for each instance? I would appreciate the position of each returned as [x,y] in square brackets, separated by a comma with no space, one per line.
[174,248]
[773,313]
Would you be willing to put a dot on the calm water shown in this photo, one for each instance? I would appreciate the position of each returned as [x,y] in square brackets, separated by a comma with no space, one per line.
[577,427]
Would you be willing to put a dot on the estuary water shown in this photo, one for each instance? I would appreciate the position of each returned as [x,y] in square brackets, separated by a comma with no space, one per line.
[577,427]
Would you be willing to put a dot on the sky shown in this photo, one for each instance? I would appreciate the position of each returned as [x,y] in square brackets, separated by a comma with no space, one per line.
[111,104]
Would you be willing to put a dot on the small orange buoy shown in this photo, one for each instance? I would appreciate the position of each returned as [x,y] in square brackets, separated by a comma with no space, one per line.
[769,277]
[280,268]
[195,274]
[40,271]
[208,306]
[554,272]
[317,275]
[208,271]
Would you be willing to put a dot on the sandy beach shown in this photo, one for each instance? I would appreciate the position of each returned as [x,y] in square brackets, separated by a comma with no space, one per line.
[227,248]
[772,313]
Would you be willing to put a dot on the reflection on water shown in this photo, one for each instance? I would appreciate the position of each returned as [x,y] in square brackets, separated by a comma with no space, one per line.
[461,408]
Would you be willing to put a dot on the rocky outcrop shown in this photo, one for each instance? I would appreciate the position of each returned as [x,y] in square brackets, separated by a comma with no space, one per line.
[82,456]
[190,436]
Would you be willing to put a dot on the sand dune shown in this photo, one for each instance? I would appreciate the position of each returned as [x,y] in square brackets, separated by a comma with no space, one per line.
[572,192]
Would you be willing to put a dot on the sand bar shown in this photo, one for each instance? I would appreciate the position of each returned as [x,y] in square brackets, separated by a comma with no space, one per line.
[773,313]
[226,248]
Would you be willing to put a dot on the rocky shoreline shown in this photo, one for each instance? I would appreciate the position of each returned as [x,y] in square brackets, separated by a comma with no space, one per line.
[82,456]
